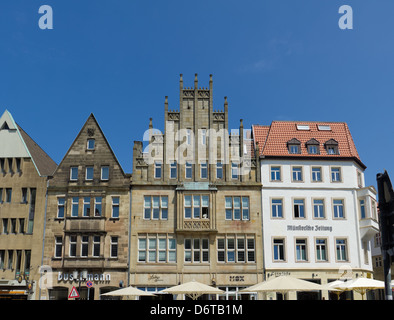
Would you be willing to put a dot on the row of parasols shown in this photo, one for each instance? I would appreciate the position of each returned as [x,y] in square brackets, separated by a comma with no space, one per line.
[281,284]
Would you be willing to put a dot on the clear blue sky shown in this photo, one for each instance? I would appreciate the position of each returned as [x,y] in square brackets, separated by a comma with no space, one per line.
[274,59]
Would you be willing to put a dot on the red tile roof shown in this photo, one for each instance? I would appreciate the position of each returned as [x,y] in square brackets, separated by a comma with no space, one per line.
[273,139]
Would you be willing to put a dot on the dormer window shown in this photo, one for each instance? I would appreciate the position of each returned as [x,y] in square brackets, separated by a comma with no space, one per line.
[294,146]
[313,146]
[331,146]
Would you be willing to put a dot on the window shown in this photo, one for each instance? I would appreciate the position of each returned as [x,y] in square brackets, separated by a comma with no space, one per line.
[324,127]
[97,206]
[303,127]
[58,247]
[301,253]
[2,165]
[341,249]
[96,246]
[299,208]
[203,137]
[219,170]
[89,173]
[335,174]
[318,208]
[24,195]
[157,169]
[234,170]
[5,226]
[196,250]
[13,226]
[2,258]
[237,208]
[277,208]
[294,149]
[10,259]
[316,174]
[74,173]
[115,207]
[86,206]
[156,207]
[173,170]
[331,147]
[84,246]
[297,173]
[189,136]
[156,248]
[188,170]
[114,247]
[279,249]
[8,195]
[338,209]
[104,172]
[204,170]
[321,250]
[10,166]
[362,208]
[60,207]
[1,197]
[21,225]
[275,174]
[313,149]
[313,146]
[236,249]
[294,146]
[359,179]
[73,246]
[74,206]
[196,205]
[91,144]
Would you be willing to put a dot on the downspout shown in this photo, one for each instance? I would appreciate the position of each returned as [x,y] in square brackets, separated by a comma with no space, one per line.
[43,237]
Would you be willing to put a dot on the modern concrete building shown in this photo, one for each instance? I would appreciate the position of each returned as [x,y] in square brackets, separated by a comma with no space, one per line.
[318,216]
[196,208]
[24,171]
[87,221]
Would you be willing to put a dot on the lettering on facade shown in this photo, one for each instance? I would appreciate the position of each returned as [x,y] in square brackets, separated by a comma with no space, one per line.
[155,278]
[97,277]
[308,228]
[237,278]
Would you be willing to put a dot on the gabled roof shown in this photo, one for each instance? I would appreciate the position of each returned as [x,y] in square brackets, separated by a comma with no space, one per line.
[15,142]
[273,140]
[91,118]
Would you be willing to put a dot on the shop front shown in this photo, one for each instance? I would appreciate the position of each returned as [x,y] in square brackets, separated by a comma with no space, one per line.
[231,284]
[87,284]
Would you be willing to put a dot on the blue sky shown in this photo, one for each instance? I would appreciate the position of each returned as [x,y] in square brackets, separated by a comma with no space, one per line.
[273,59]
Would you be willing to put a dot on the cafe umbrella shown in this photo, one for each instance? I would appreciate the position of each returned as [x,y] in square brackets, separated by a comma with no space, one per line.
[193,289]
[128,291]
[284,284]
[361,285]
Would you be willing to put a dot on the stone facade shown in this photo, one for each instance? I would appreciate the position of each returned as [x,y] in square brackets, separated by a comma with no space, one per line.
[87,218]
[24,168]
[194,215]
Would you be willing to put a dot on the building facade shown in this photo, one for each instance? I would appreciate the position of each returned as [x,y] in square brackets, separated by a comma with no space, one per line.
[87,223]
[24,171]
[318,216]
[196,209]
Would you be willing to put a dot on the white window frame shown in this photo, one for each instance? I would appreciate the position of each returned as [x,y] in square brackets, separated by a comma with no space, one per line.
[115,204]
[86,173]
[72,169]
[102,171]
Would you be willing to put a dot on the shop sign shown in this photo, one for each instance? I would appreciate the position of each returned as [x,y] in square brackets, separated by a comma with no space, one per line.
[90,277]
[308,228]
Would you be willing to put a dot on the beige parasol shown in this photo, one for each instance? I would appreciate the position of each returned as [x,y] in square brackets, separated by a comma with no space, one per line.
[193,289]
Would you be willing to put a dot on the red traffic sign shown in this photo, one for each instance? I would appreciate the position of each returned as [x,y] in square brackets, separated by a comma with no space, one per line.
[89,284]
[73,294]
